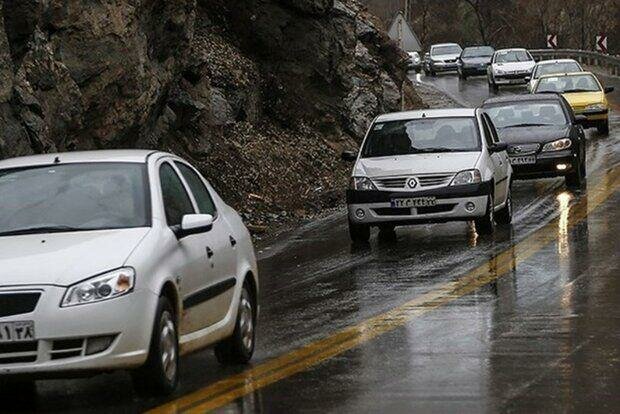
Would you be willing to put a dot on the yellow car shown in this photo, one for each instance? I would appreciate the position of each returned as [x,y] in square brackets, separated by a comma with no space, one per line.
[584,93]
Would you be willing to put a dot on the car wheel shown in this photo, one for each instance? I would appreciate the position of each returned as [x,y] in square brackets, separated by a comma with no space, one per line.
[239,348]
[504,216]
[603,127]
[486,224]
[576,178]
[160,374]
[360,233]
[433,73]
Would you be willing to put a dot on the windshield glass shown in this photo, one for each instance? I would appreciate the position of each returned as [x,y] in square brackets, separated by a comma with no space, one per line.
[480,51]
[71,197]
[446,50]
[527,114]
[553,68]
[568,84]
[512,56]
[426,135]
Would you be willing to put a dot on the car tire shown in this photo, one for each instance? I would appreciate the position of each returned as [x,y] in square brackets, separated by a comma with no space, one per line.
[504,216]
[577,177]
[239,348]
[160,373]
[486,223]
[360,233]
[603,127]
[433,73]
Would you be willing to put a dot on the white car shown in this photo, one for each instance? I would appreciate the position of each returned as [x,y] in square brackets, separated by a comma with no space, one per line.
[552,67]
[429,166]
[443,58]
[510,67]
[119,260]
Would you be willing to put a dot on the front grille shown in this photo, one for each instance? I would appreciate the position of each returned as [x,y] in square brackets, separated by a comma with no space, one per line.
[523,149]
[512,76]
[17,303]
[434,180]
[392,182]
[67,348]
[18,352]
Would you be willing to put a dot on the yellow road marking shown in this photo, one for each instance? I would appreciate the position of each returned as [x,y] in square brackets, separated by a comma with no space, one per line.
[229,389]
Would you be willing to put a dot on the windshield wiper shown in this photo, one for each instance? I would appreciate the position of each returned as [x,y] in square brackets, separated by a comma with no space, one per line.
[577,90]
[41,229]
[427,150]
[525,125]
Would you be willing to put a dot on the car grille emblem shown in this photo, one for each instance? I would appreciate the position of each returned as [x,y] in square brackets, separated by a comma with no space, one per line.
[412,183]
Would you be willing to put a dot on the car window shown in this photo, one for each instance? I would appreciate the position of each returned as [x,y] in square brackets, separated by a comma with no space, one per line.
[424,135]
[446,50]
[479,51]
[176,200]
[487,132]
[525,114]
[196,185]
[492,129]
[554,68]
[568,84]
[508,56]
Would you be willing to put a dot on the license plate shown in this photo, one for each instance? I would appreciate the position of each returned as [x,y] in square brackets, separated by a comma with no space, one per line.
[16,332]
[414,202]
[531,159]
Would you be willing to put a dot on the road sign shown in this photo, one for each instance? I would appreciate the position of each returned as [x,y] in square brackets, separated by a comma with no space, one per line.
[601,43]
[552,41]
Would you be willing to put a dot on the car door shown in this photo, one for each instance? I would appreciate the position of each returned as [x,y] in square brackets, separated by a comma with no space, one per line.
[219,270]
[499,161]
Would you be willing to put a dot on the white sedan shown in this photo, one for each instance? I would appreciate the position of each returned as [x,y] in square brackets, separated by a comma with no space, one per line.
[429,166]
[510,67]
[552,67]
[119,260]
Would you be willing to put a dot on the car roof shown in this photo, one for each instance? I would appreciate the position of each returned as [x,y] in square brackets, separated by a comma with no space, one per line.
[511,49]
[522,98]
[445,44]
[132,156]
[427,113]
[552,61]
[557,75]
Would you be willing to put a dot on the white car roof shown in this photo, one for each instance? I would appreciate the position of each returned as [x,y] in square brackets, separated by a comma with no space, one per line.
[514,49]
[554,61]
[427,113]
[136,156]
[445,44]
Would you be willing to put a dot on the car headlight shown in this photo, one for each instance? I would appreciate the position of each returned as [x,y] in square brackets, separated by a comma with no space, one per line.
[597,106]
[499,72]
[362,184]
[467,177]
[558,145]
[99,288]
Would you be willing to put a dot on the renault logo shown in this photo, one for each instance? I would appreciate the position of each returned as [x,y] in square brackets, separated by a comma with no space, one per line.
[412,183]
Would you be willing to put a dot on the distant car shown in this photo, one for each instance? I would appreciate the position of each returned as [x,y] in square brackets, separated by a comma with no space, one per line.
[429,166]
[415,62]
[119,260]
[443,57]
[550,67]
[426,62]
[510,67]
[544,137]
[474,61]
[584,93]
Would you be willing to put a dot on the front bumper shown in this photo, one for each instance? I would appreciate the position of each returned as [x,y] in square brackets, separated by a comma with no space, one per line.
[594,117]
[474,70]
[450,205]
[546,165]
[128,319]
[511,78]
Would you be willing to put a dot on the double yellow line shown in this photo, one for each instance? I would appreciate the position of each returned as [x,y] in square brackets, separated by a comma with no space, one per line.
[229,389]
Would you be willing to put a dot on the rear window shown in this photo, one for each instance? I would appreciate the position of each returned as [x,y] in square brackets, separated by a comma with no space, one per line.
[425,135]
[527,114]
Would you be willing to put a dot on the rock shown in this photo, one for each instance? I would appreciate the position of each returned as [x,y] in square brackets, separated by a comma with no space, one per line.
[221,111]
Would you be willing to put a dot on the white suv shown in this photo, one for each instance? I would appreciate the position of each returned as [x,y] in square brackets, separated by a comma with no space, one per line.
[119,260]
[429,166]
[510,67]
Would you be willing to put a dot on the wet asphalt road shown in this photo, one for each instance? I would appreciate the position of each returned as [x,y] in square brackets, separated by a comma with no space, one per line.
[527,320]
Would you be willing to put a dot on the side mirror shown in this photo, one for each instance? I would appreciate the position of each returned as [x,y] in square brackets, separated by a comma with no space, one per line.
[581,119]
[349,156]
[499,147]
[609,89]
[193,224]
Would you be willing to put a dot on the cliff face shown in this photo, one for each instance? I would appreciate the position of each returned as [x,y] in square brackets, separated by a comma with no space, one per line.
[260,94]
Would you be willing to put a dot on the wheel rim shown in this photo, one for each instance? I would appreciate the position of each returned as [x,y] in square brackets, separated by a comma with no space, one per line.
[168,347]
[246,322]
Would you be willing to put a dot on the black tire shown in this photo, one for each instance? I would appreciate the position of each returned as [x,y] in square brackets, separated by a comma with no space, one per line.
[433,73]
[160,373]
[360,233]
[577,177]
[504,216]
[239,348]
[494,87]
[486,224]
[603,127]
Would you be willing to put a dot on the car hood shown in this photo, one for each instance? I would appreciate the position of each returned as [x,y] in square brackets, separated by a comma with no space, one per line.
[537,134]
[64,258]
[513,66]
[416,164]
[476,60]
[581,99]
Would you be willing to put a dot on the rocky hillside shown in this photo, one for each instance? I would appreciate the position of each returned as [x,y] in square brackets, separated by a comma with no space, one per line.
[262,95]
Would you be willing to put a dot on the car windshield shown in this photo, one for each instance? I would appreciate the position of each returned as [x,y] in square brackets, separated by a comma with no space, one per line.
[568,84]
[480,51]
[527,114]
[73,197]
[554,68]
[446,50]
[426,135]
[509,56]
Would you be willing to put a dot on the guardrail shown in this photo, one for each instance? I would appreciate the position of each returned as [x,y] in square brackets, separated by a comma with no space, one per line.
[586,57]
